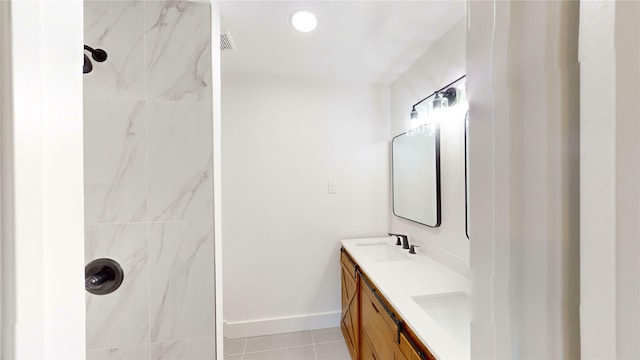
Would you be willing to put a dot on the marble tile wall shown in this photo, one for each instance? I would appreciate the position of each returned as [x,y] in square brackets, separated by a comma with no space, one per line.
[148,178]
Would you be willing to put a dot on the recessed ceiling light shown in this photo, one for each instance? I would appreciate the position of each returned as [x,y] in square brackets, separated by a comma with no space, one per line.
[304,21]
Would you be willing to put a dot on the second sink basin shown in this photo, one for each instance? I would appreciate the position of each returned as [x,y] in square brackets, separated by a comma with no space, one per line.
[383,252]
[451,311]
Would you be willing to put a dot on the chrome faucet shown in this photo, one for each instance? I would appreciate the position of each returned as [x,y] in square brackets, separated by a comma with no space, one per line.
[405,240]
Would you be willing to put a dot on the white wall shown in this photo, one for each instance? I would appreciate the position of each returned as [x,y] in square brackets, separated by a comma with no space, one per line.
[5,114]
[283,140]
[610,174]
[42,209]
[440,65]
[523,87]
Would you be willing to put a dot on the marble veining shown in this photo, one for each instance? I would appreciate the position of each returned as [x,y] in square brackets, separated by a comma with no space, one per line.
[200,182]
[118,28]
[122,317]
[148,178]
[194,349]
[127,353]
[182,286]
[178,47]
[180,161]
[115,161]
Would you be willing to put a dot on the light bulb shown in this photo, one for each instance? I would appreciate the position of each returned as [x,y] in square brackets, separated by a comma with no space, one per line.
[304,21]
[440,102]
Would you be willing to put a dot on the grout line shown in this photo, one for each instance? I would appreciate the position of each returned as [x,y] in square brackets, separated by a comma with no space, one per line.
[278,349]
[145,99]
[313,340]
[187,339]
[147,222]
[313,343]
[146,129]
[329,342]
[246,340]
[129,346]
[146,96]
[115,99]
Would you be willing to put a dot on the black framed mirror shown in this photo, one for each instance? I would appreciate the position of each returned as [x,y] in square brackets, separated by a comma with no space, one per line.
[416,175]
[466,174]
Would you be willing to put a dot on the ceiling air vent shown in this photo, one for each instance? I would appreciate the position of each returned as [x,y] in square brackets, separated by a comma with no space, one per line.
[226,42]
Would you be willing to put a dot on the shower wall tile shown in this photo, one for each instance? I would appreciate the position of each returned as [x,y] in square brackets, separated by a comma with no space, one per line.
[148,178]
[115,164]
[122,317]
[178,51]
[118,28]
[180,161]
[182,285]
[128,353]
[196,349]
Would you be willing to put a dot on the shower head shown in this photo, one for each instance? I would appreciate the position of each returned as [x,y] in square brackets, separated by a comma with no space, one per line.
[98,55]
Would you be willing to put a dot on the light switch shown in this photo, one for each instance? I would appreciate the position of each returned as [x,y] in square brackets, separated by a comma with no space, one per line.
[331,187]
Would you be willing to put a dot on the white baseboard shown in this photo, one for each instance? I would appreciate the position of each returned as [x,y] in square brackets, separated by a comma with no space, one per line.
[259,327]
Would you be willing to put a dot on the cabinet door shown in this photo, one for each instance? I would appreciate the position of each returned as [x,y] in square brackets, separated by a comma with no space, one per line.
[377,326]
[405,351]
[349,321]
[367,350]
[399,355]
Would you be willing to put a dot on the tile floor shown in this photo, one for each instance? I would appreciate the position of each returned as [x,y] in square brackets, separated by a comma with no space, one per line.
[325,344]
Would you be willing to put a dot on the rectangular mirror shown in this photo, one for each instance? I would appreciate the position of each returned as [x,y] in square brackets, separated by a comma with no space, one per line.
[416,175]
[466,173]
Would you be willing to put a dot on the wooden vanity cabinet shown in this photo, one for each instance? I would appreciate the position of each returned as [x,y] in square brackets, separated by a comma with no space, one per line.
[350,318]
[370,326]
[377,326]
[366,351]
[404,351]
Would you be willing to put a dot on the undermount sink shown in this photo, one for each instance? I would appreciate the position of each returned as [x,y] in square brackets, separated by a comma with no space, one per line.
[383,252]
[451,311]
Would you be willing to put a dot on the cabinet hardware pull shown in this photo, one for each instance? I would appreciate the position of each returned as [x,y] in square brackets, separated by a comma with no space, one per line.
[374,307]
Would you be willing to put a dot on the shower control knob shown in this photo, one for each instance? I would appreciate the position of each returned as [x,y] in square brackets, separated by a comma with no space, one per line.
[99,55]
[103,276]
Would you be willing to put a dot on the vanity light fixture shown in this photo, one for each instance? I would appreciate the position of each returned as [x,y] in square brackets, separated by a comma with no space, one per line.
[414,123]
[440,101]
[447,96]
[414,113]
[304,21]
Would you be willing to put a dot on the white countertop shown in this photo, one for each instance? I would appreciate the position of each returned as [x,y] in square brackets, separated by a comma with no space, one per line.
[418,275]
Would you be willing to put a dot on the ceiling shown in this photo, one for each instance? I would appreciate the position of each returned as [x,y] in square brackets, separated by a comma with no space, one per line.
[369,41]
